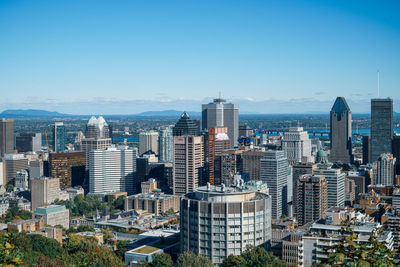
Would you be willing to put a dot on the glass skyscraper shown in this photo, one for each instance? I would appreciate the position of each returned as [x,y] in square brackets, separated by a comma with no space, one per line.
[59,136]
[381,127]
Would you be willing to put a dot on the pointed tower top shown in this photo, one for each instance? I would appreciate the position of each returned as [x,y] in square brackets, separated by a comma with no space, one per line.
[340,105]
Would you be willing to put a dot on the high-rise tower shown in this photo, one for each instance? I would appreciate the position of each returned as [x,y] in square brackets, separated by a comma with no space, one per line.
[220,113]
[59,136]
[6,137]
[381,127]
[340,131]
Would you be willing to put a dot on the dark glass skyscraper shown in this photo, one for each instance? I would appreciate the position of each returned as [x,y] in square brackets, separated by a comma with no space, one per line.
[381,127]
[6,137]
[186,126]
[340,131]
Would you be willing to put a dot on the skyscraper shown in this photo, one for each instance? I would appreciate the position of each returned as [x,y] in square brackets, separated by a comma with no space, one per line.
[59,136]
[148,141]
[218,141]
[26,142]
[166,145]
[220,113]
[6,137]
[274,172]
[188,163]
[336,187]
[98,137]
[186,126]
[97,128]
[111,170]
[396,152]
[69,167]
[340,131]
[366,149]
[300,169]
[381,127]
[297,145]
[384,170]
[312,198]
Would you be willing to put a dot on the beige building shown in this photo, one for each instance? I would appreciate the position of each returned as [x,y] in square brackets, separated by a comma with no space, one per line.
[312,198]
[148,141]
[53,215]
[14,163]
[188,163]
[155,203]
[44,191]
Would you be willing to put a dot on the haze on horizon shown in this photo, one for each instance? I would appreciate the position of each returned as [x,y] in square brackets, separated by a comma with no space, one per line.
[125,57]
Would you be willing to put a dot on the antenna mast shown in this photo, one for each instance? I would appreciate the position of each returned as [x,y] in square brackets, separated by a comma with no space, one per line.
[379,89]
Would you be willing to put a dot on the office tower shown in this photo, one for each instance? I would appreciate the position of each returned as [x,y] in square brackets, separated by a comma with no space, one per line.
[89,144]
[218,221]
[384,170]
[166,145]
[53,215]
[188,163]
[312,198]
[245,130]
[36,169]
[361,179]
[251,164]
[273,172]
[69,167]
[381,127]
[366,149]
[335,179]
[186,126]
[148,141]
[59,136]
[300,169]
[297,145]
[112,170]
[22,180]
[220,113]
[218,141]
[340,131]
[148,167]
[2,173]
[13,164]
[26,142]
[6,137]
[148,186]
[97,128]
[396,152]
[231,164]
[45,190]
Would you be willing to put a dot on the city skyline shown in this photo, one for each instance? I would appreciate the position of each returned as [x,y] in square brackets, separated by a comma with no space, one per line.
[135,56]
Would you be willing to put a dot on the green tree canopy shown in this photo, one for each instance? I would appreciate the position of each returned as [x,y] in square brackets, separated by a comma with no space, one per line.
[161,260]
[189,259]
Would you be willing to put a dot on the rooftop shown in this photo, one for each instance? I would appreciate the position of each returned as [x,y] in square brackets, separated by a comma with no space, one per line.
[144,250]
[49,209]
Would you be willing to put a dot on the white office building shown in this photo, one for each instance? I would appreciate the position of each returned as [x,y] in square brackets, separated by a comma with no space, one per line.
[166,145]
[274,172]
[112,170]
[297,145]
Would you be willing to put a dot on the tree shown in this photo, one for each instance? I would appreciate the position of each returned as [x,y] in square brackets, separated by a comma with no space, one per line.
[108,234]
[161,260]
[10,255]
[122,247]
[253,256]
[189,259]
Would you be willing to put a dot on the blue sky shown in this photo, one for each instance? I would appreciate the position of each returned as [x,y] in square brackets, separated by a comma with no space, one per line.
[120,57]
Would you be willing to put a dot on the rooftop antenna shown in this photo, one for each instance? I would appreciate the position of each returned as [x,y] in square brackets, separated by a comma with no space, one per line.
[379,89]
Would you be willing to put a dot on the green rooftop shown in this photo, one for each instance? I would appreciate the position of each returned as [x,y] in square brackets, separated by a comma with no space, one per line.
[145,250]
[49,209]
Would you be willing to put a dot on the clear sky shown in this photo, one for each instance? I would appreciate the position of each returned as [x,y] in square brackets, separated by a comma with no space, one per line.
[84,57]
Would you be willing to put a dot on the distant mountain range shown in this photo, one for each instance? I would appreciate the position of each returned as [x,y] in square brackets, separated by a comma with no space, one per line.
[30,113]
[37,113]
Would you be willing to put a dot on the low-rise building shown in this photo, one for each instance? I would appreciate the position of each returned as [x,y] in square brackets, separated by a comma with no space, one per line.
[74,191]
[53,215]
[143,253]
[97,235]
[155,203]
[32,225]
[4,204]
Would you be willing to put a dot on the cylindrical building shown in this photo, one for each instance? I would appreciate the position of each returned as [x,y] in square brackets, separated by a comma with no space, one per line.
[218,221]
